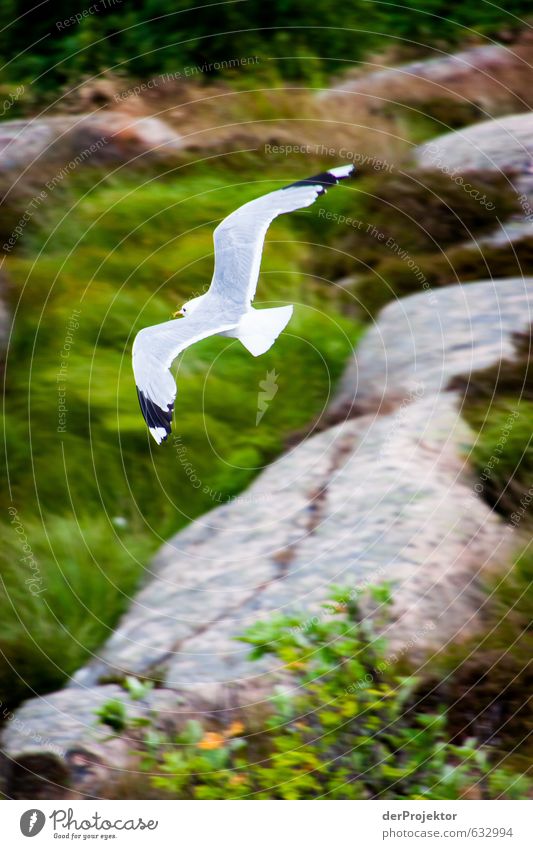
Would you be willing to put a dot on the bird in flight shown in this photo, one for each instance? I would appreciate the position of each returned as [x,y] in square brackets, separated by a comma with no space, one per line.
[226,308]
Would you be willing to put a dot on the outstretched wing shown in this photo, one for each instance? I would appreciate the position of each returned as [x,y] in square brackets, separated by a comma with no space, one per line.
[154,350]
[239,238]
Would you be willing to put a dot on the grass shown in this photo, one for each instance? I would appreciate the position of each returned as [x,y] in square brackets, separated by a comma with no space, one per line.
[59,600]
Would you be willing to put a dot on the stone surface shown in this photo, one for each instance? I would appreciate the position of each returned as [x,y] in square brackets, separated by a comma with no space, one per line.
[484,81]
[428,338]
[376,498]
[115,136]
[60,738]
[504,145]
[507,234]
[445,69]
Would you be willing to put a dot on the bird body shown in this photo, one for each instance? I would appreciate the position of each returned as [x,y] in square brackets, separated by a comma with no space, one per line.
[226,308]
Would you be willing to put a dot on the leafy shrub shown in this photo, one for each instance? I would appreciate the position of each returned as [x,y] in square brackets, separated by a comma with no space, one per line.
[145,37]
[345,729]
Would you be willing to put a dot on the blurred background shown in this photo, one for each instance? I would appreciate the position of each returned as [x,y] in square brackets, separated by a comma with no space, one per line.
[128,131]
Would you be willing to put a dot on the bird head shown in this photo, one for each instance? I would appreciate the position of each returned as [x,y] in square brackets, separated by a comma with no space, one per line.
[189,306]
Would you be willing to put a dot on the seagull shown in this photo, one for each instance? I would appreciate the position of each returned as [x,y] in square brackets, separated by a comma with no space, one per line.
[226,308]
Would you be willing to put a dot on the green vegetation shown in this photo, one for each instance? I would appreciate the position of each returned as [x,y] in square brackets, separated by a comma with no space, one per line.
[498,404]
[112,253]
[295,39]
[60,599]
[348,728]
[487,680]
[408,230]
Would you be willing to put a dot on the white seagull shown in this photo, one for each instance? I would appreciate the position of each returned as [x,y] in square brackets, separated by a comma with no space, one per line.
[226,308]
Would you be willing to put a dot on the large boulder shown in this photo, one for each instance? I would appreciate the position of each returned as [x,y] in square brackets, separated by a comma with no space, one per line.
[429,338]
[385,496]
[443,68]
[375,498]
[484,81]
[73,140]
[505,145]
[55,747]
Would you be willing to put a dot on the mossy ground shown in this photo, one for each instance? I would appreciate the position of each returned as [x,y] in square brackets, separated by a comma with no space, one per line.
[498,405]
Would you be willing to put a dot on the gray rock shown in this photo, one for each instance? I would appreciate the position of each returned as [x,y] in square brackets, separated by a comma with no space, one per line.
[95,137]
[507,234]
[58,745]
[505,145]
[63,729]
[444,69]
[427,339]
[486,81]
[376,498]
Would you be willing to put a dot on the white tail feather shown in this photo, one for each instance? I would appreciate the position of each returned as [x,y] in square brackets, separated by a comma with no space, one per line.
[259,329]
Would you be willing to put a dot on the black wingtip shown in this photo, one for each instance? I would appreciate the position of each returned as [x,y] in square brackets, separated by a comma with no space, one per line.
[155,417]
[326,179]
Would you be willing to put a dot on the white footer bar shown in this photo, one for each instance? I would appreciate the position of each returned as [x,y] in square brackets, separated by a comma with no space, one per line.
[268,824]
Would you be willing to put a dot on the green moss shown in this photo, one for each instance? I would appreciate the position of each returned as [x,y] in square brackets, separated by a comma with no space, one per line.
[449,113]
[498,405]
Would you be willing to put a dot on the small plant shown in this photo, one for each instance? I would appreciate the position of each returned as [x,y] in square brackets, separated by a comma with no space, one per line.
[137,689]
[114,714]
[344,729]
